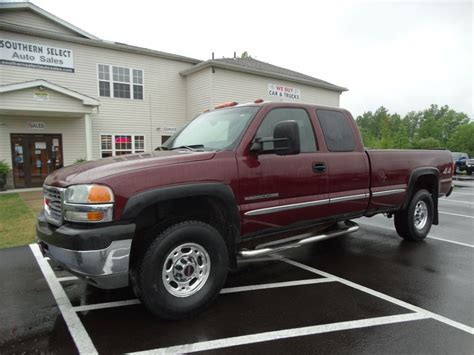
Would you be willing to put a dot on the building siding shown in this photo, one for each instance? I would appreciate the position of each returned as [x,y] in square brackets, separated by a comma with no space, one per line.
[27,18]
[57,102]
[198,92]
[230,85]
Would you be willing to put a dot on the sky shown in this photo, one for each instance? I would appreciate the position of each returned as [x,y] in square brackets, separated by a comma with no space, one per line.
[403,55]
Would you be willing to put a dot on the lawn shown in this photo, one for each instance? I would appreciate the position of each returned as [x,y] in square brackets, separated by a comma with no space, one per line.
[17,221]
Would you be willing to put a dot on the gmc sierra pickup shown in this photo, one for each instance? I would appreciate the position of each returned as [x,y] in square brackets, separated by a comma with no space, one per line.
[238,181]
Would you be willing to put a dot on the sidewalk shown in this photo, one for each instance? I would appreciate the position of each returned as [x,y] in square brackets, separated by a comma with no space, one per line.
[34,199]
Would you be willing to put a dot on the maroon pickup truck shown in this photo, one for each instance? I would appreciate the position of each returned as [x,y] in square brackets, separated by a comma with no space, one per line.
[239,181]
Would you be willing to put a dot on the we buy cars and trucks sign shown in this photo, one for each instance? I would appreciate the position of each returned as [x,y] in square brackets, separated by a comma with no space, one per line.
[32,55]
[284,92]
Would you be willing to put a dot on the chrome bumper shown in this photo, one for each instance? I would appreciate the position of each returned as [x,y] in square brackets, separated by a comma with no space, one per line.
[104,268]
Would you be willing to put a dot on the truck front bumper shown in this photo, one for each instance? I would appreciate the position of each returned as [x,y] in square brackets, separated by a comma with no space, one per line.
[99,255]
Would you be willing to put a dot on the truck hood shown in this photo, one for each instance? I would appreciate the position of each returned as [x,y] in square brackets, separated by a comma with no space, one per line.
[94,171]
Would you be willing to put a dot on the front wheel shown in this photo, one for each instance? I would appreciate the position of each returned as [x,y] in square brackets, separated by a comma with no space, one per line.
[183,270]
[469,172]
[415,222]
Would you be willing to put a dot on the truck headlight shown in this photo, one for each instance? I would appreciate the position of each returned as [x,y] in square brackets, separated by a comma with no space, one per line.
[88,203]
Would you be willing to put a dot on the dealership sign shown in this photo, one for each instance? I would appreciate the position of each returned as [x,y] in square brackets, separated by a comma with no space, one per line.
[284,92]
[30,55]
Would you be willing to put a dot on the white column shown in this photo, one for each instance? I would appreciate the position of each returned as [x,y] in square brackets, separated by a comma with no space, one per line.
[87,119]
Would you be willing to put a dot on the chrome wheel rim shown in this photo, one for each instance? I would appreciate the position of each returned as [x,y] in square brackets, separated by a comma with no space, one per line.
[421,214]
[186,270]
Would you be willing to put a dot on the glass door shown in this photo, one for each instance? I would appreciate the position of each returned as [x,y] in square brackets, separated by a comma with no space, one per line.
[34,156]
[39,147]
[18,160]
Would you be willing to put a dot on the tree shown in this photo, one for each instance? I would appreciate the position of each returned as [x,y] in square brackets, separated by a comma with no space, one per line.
[434,127]
[245,54]
[427,143]
[462,140]
[440,122]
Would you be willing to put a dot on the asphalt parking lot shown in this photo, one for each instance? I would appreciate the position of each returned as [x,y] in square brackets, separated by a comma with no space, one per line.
[368,292]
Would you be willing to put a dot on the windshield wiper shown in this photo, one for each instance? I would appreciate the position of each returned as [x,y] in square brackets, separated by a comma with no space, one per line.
[188,147]
[162,148]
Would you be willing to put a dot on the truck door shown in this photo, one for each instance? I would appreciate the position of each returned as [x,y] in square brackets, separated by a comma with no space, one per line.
[348,164]
[278,191]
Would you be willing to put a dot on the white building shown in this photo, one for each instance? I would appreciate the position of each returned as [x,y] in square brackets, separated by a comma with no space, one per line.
[67,95]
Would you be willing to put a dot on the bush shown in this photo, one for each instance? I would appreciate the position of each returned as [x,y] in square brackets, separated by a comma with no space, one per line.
[80,160]
[4,167]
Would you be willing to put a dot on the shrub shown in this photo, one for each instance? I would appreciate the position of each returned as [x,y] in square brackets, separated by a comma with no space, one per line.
[4,167]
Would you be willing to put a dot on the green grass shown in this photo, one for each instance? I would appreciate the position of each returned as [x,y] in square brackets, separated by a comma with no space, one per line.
[17,222]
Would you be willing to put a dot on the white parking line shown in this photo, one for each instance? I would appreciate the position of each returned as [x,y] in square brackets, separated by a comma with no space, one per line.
[67,278]
[456,201]
[277,285]
[283,334]
[91,307]
[462,193]
[456,214]
[428,237]
[452,241]
[381,295]
[76,328]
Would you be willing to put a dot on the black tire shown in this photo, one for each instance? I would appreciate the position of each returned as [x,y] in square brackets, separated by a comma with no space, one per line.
[407,225]
[469,172]
[203,245]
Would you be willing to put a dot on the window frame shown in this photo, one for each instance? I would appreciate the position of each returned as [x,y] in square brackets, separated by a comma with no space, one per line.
[114,149]
[111,82]
[308,113]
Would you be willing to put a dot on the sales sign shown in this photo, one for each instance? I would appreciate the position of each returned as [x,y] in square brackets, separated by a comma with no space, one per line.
[284,92]
[38,56]
[36,125]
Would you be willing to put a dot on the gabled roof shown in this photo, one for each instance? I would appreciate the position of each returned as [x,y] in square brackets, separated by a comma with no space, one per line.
[86,100]
[39,11]
[84,38]
[254,66]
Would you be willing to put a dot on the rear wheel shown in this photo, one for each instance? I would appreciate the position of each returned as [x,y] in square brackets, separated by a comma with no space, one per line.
[183,270]
[415,222]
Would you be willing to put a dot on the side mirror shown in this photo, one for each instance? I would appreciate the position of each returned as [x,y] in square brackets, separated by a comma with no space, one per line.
[286,138]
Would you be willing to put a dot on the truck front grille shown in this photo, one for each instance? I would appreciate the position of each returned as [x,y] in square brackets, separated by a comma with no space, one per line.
[53,204]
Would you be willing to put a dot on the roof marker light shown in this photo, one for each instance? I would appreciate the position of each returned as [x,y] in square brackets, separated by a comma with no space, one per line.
[258,101]
[226,104]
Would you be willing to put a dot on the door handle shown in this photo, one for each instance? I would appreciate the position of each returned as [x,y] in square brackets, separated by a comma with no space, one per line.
[319,167]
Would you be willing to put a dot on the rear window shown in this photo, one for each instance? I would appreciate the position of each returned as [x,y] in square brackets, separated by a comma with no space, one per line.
[336,130]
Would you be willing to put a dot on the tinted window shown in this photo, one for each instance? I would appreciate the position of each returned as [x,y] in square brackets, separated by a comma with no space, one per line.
[307,141]
[337,131]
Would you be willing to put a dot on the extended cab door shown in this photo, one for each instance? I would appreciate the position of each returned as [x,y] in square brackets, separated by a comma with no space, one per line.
[348,165]
[278,191]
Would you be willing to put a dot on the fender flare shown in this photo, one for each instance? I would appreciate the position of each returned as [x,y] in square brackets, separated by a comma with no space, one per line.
[220,191]
[414,176]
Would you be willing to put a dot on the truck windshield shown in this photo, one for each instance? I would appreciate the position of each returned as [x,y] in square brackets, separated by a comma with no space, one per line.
[214,130]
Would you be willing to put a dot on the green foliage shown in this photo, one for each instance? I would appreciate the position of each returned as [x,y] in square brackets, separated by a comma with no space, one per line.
[435,127]
[462,139]
[427,143]
[245,55]
[4,167]
[80,160]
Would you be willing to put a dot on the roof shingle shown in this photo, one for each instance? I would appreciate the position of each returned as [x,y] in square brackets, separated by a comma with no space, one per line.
[258,67]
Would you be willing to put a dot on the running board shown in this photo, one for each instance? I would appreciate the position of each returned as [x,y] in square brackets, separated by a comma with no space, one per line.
[349,227]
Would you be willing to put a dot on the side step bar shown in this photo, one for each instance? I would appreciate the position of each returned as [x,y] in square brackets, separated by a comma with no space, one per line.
[348,227]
